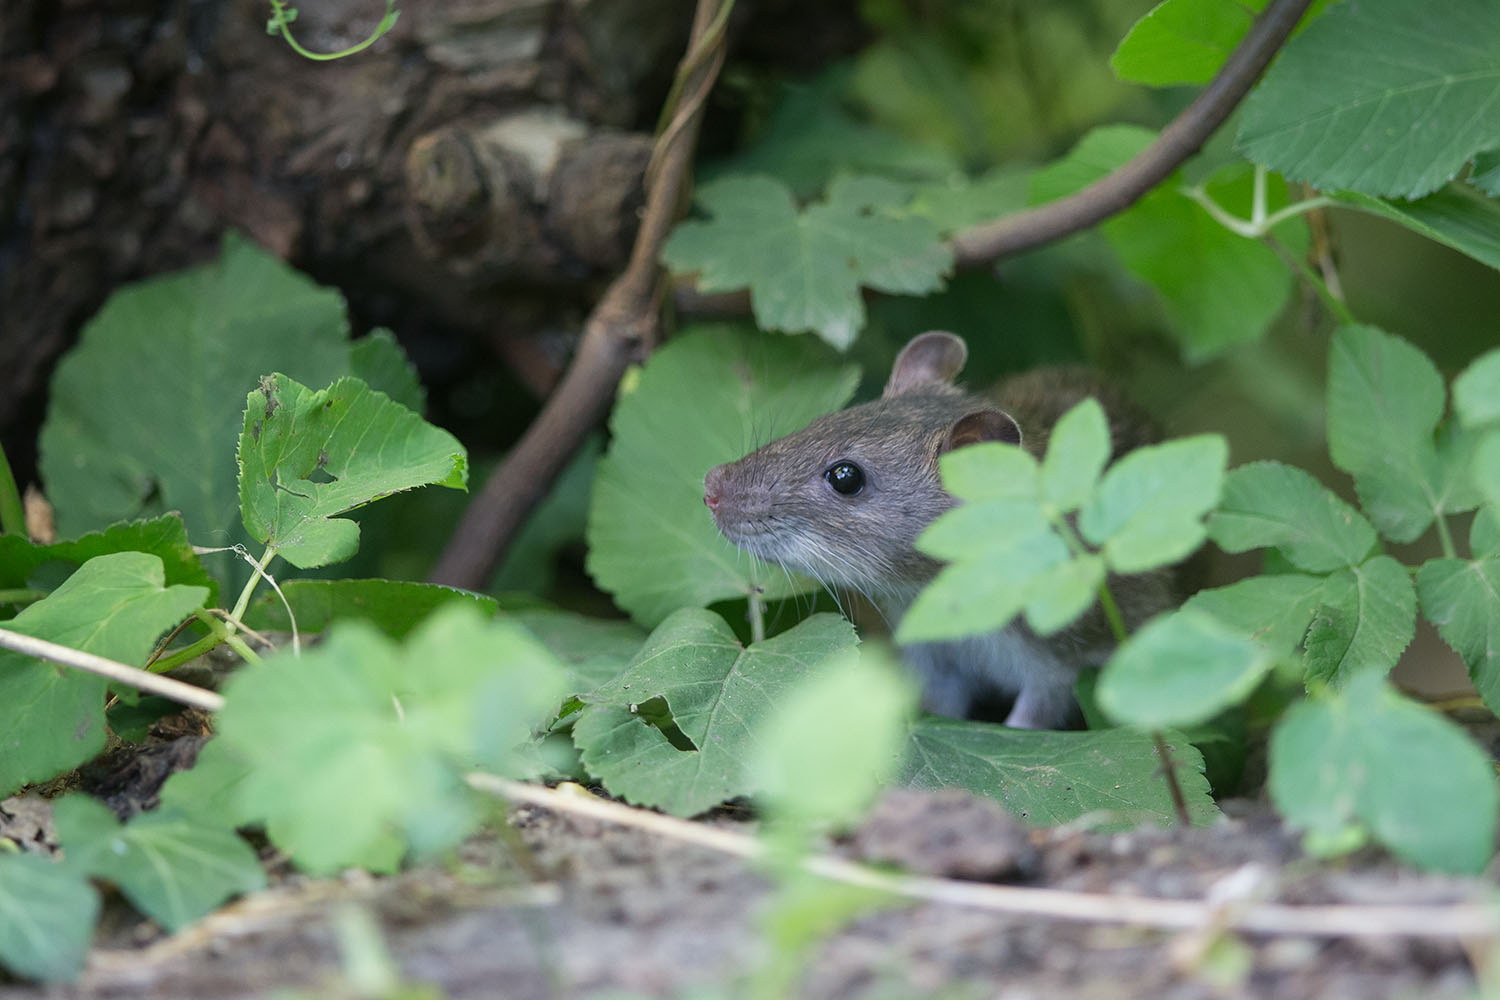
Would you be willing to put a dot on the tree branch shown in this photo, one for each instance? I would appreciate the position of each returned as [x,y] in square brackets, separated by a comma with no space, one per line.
[1119,189]
[621,328]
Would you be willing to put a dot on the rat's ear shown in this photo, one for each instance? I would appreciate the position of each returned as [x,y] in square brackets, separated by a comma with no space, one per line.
[930,358]
[982,425]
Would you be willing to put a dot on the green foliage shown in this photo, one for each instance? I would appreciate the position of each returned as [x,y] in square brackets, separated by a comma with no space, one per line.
[24,563]
[47,914]
[707,397]
[282,16]
[1267,504]
[395,607]
[1181,42]
[805,268]
[1456,216]
[1380,97]
[1372,757]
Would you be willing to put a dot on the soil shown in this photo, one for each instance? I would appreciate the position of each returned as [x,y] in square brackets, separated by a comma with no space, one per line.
[585,908]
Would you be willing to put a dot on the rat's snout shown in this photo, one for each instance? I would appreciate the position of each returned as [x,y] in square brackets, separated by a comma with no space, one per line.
[713,487]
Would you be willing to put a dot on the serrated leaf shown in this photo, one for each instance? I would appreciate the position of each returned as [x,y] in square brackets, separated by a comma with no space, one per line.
[1063,593]
[1271,504]
[957,201]
[171,867]
[1379,96]
[1077,452]
[360,446]
[1112,776]
[1455,216]
[51,718]
[1180,669]
[1408,774]
[703,399]
[395,607]
[144,412]
[1272,610]
[47,915]
[1180,42]
[804,268]
[1148,510]
[716,693]
[163,537]
[355,751]
[991,471]
[975,596]
[1476,391]
[377,360]
[1385,399]
[1367,617]
[1462,598]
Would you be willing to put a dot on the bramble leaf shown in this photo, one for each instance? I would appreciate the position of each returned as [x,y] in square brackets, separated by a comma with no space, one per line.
[307,456]
[1270,504]
[1367,617]
[1462,598]
[1273,610]
[47,914]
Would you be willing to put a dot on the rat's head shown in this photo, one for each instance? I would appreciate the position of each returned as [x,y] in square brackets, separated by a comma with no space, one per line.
[843,499]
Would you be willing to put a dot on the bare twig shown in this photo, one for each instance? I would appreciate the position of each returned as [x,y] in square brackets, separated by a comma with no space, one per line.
[151,683]
[621,328]
[1120,188]
[1424,921]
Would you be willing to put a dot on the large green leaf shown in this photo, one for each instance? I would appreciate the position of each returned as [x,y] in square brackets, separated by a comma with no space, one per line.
[1270,504]
[1456,216]
[1370,756]
[171,867]
[52,718]
[164,537]
[707,397]
[393,606]
[307,456]
[1462,598]
[1048,778]
[1273,610]
[1366,618]
[47,914]
[1386,97]
[805,268]
[694,680]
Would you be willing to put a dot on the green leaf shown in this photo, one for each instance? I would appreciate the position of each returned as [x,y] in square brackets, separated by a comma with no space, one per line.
[805,269]
[835,739]
[991,471]
[209,791]
[356,750]
[1179,670]
[1380,96]
[1455,216]
[1486,468]
[171,867]
[163,537]
[1077,452]
[51,718]
[957,202]
[1062,593]
[1476,392]
[1270,504]
[1148,510]
[393,606]
[306,457]
[1272,610]
[378,361]
[1484,533]
[594,650]
[1367,617]
[1462,598]
[1408,774]
[143,413]
[983,529]
[1181,42]
[711,393]
[1050,778]
[713,692]
[47,914]
[1385,399]
[979,595]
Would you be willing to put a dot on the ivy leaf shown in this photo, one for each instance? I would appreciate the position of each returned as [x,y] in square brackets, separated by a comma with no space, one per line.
[678,727]
[306,457]
[1456,216]
[395,607]
[1180,42]
[356,750]
[1050,778]
[1408,774]
[804,268]
[51,718]
[47,914]
[1180,669]
[1271,504]
[164,537]
[1367,617]
[1476,391]
[1273,610]
[1380,97]
[172,868]
[1462,598]
[1148,511]
[703,399]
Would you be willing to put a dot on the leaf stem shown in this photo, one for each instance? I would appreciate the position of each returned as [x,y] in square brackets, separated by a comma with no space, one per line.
[282,17]
[1169,771]
[12,513]
[1112,613]
[1445,537]
[259,571]
[22,595]
[1315,280]
[186,653]
[757,615]
[226,634]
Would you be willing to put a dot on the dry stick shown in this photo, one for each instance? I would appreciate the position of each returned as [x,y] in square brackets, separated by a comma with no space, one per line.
[1435,921]
[156,684]
[1120,188]
[622,325]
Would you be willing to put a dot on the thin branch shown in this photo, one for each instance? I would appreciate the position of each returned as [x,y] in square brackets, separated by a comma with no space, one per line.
[1447,920]
[146,681]
[1121,187]
[621,328]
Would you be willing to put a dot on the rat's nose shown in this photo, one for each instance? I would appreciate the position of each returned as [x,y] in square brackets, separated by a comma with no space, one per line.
[713,485]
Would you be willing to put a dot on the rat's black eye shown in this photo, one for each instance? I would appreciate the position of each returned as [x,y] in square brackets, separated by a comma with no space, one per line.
[845,477]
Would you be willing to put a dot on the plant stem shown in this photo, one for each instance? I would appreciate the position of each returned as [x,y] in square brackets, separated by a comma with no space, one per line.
[1445,538]
[1169,771]
[1112,613]
[186,653]
[12,513]
[280,21]
[226,634]
[166,687]
[757,615]
[250,585]
[1314,279]
[21,595]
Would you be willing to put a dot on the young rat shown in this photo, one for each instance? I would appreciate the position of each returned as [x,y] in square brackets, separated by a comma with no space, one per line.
[844,499]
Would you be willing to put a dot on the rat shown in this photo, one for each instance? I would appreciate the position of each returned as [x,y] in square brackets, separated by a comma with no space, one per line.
[843,500]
